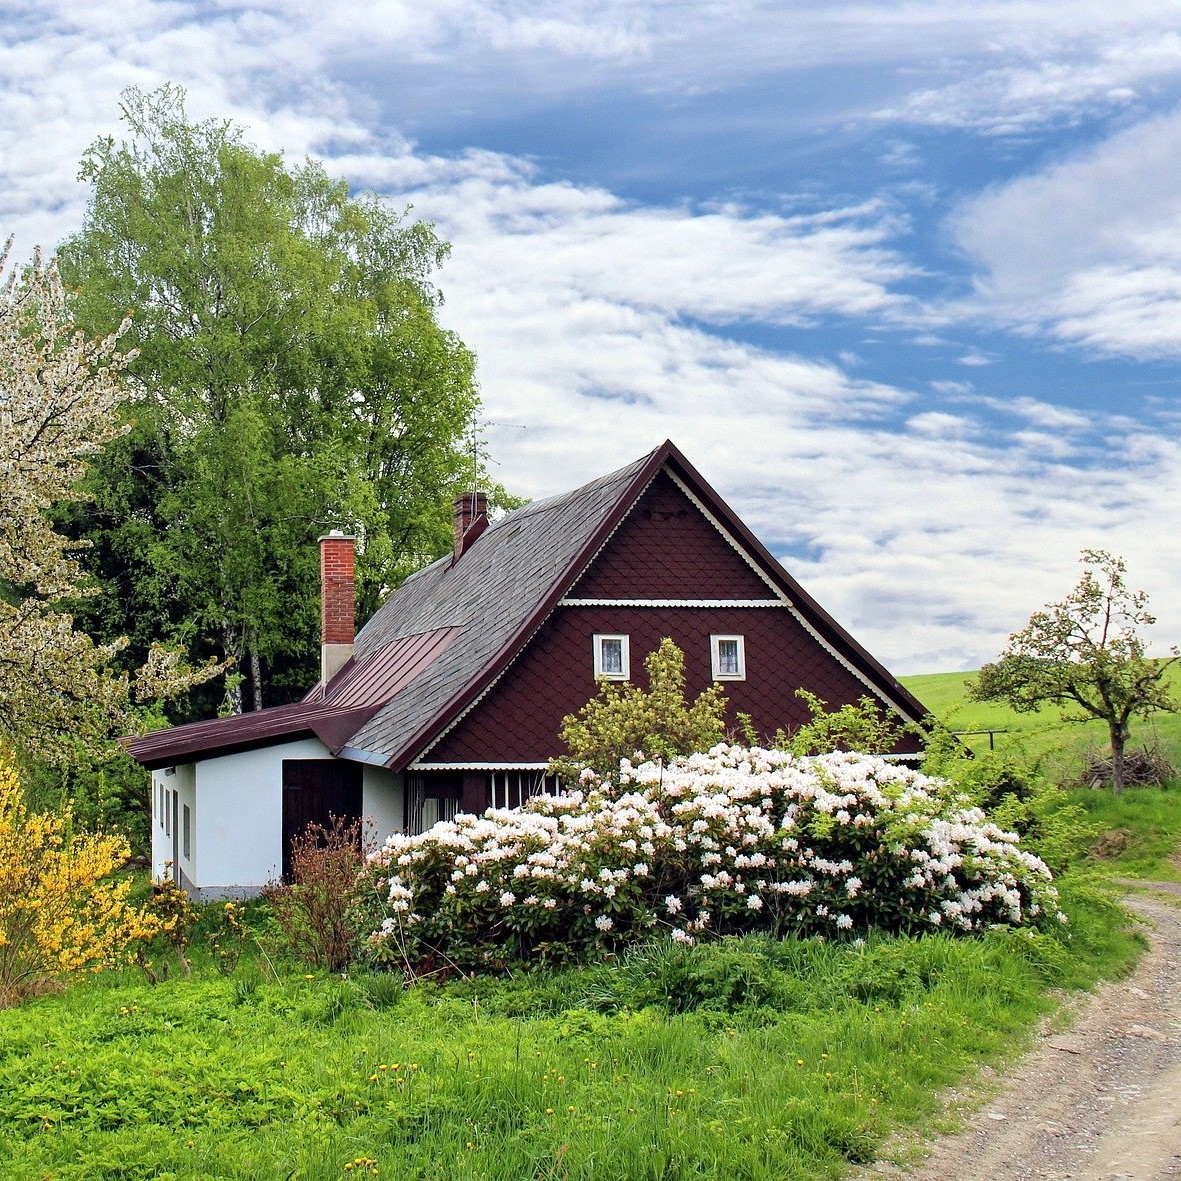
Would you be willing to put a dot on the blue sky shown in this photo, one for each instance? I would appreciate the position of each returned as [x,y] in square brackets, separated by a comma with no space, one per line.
[902,279]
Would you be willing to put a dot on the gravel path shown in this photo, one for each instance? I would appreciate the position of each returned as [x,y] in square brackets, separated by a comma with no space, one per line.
[1100,1101]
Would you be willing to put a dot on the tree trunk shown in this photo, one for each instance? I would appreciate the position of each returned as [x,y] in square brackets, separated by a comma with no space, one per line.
[232,703]
[1118,738]
[256,677]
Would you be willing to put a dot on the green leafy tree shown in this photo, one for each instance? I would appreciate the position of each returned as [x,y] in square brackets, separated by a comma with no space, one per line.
[1086,653]
[660,722]
[291,376]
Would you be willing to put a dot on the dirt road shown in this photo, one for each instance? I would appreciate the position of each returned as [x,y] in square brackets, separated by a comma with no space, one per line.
[1098,1102]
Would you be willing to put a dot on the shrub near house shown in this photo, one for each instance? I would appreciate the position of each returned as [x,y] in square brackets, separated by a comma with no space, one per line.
[732,841]
[61,910]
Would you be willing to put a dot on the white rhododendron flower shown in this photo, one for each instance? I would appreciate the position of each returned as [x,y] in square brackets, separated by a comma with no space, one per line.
[705,842]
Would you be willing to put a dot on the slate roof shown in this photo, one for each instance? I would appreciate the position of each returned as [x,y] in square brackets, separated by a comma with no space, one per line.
[453,628]
[499,592]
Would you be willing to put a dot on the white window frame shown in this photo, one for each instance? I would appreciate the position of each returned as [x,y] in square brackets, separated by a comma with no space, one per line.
[625,657]
[715,657]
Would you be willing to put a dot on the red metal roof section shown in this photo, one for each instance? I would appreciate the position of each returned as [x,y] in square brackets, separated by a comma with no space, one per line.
[375,679]
[333,713]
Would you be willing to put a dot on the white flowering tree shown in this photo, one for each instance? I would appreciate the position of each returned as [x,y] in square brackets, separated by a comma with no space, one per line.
[58,397]
[736,840]
[59,393]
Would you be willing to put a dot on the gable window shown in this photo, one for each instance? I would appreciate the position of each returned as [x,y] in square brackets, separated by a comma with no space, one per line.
[728,658]
[612,657]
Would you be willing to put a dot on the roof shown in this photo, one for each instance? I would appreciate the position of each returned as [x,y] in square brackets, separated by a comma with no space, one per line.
[355,694]
[453,629]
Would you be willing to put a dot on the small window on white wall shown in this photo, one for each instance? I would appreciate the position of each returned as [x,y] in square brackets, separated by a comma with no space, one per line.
[187,830]
[728,658]
[612,657]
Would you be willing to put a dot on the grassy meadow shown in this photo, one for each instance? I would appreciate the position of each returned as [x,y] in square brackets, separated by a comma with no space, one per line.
[752,1059]
[748,1060]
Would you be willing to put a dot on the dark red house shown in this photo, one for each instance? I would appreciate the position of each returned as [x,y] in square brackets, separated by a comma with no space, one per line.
[452,695]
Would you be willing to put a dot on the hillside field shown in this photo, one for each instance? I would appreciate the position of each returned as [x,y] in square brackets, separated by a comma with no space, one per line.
[945,695]
[1139,834]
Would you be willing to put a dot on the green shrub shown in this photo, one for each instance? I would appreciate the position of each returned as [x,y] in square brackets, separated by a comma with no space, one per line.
[732,841]
[626,722]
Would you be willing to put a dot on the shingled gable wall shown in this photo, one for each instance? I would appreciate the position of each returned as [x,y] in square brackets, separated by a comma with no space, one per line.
[665,549]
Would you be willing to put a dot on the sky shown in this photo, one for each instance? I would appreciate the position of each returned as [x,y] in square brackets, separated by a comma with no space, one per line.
[902,280]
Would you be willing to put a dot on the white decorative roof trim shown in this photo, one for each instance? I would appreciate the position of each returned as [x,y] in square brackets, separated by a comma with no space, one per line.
[417,766]
[741,551]
[672,603]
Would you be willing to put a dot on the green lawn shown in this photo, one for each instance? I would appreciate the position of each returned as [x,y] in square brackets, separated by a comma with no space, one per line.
[753,1060]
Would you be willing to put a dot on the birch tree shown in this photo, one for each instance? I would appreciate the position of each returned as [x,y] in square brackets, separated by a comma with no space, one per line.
[292,376]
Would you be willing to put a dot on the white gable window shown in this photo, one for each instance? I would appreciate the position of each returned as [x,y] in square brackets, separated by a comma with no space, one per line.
[728,658]
[612,657]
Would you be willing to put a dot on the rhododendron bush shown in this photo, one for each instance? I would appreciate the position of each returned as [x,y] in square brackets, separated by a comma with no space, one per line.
[731,841]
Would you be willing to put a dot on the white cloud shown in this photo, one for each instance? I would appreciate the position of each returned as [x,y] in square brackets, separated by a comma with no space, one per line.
[1089,249]
[1063,76]
[911,537]
[603,325]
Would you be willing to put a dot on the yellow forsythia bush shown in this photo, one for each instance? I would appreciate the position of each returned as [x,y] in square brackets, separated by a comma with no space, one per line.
[61,911]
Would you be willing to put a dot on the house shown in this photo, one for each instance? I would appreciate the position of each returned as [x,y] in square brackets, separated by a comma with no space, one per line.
[451,697]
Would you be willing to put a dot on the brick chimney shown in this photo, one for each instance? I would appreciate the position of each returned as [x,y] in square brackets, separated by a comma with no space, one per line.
[471,519]
[338,602]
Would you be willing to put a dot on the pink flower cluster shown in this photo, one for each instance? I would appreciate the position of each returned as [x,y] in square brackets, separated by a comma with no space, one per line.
[737,839]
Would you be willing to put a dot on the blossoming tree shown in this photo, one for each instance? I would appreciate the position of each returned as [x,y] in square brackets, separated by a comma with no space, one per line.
[1086,653]
[59,392]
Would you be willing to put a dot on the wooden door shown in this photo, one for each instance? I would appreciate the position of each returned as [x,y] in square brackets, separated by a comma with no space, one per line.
[315,791]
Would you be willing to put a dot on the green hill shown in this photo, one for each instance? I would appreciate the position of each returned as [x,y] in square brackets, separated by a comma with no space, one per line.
[1043,732]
